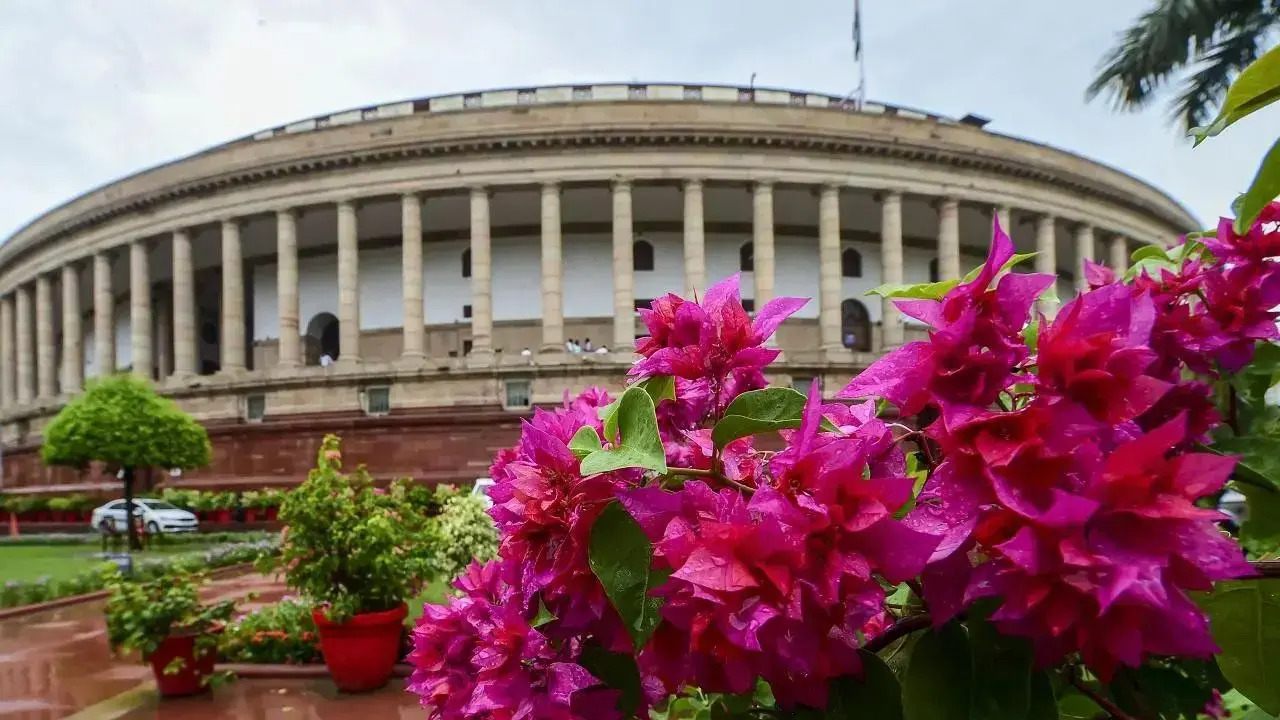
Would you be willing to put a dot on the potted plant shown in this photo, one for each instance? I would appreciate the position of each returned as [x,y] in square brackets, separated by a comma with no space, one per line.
[251,501]
[356,553]
[274,497]
[167,624]
[223,504]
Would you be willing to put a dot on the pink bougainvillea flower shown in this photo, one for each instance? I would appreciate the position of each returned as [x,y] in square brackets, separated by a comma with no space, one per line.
[974,344]
[715,340]
[544,508]
[1260,242]
[478,657]
[1095,352]
[1241,302]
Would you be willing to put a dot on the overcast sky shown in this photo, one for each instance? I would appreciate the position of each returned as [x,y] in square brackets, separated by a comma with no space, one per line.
[96,89]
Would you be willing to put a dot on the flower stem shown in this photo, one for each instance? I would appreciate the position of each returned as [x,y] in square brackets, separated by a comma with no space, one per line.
[1267,568]
[1109,707]
[696,472]
[898,630]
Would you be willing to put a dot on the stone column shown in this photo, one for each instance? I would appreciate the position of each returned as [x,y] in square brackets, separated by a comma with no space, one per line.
[140,308]
[762,242]
[891,329]
[72,331]
[290,347]
[184,308]
[948,239]
[1119,251]
[695,254]
[1084,251]
[829,278]
[8,354]
[26,356]
[104,316]
[163,326]
[624,295]
[481,279]
[414,335]
[232,299]
[1004,214]
[1046,253]
[348,285]
[552,271]
[46,354]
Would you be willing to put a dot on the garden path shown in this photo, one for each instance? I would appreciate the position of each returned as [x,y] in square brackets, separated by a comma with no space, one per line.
[55,663]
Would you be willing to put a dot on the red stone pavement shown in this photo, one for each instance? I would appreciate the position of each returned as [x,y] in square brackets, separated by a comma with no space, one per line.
[56,664]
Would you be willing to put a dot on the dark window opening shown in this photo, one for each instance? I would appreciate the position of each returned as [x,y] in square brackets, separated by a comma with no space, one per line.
[747,257]
[642,256]
[466,311]
[855,325]
[322,339]
[749,304]
[933,270]
[466,263]
[643,303]
[851,263]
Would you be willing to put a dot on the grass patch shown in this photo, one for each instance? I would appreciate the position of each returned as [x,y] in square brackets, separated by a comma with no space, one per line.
[60,562]
[435,593]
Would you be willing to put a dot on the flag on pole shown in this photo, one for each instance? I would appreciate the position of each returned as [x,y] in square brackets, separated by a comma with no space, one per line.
[857,30]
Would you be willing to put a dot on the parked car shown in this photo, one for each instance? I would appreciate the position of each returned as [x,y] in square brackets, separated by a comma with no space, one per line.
[481,490]
[157,517]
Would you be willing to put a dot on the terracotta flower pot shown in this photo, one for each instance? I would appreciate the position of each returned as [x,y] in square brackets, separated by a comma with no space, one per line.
[361,652]
[188,680]
[222,516]
[272,512]
[250,515]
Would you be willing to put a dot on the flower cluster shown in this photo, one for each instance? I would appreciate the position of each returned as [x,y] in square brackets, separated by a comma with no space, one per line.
[1064,484]
[1060,478]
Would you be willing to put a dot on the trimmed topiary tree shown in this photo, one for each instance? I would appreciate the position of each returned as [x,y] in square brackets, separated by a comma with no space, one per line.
[121,422]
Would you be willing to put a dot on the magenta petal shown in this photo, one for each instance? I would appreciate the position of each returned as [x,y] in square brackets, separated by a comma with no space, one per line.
[945,582]
[768,318]
[565,679]
[1098,275]
[725,291]
[928,312]
[1017,292]
[900,552]
[652,508]
[897,376]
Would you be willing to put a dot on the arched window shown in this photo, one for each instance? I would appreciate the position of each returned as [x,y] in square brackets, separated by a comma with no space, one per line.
[933,270]
[642,255]
[747,257]
[855,325]
[322,338]
[850,263]
[466,263]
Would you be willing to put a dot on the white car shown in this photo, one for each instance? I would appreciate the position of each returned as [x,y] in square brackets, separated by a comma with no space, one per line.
[157,516]
[481,490]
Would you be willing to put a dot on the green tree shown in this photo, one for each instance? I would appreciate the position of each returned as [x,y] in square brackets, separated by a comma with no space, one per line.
[1215,38]
[121,422]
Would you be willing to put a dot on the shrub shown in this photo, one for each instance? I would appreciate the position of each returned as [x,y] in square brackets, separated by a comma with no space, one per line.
[140,615]
[280,633]
[466,534]
[348,546]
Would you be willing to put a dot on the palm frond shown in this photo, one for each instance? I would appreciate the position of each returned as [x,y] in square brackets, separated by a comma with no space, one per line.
[1162,41]
[1202,91]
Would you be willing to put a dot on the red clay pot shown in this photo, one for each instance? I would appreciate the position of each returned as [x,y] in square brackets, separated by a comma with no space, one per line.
[361,652]
[222,516]
[250,515]
[186,681]
[272,512]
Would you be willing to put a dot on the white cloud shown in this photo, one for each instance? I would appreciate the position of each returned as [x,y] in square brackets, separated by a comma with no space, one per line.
[97,89]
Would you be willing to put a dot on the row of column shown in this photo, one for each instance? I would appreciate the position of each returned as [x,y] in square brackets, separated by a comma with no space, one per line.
[27,371]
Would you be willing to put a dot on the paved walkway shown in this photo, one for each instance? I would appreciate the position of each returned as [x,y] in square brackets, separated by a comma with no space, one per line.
[55,663]
[280,700]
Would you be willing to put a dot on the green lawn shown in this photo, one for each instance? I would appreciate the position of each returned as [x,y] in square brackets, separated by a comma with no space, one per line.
[29,562]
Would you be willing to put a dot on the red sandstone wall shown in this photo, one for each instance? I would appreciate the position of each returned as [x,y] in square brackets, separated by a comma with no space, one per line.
[433,446]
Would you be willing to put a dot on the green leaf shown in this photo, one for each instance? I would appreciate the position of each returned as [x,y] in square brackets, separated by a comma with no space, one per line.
[1264,188]
[659,387]
[1245,617]
[1150,251]
[875,695]
[1076,706]
[584,442]
[609,414]
[543,617]
[1044,706]
[1013,261]
[1170,690]
[1031,335]
[1256,467]
[758,411]
[620,556]
[1261,529]
[921,291]
[638,442]
[1257,86]
[618,671]
[938,679]
[1001,670]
